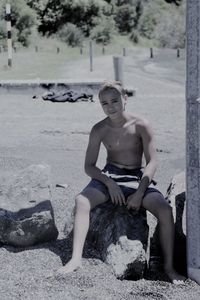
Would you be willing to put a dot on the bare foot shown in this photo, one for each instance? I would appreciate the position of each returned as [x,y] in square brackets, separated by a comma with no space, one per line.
[174,277]
[71,266]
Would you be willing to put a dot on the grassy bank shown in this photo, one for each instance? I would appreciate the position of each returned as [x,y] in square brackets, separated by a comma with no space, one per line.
[46,63]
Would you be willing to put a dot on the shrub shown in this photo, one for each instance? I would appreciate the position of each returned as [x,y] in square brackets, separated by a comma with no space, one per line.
[71,35]
[170,31]
[2,30]
[150,17]
[104,30]
[23,19]
[125,18]
[134,36]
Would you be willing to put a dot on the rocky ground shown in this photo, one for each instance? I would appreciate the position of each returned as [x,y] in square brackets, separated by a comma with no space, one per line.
[34,131]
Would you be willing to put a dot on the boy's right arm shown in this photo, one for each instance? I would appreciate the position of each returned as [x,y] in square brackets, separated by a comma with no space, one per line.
[91,157]
[94,172]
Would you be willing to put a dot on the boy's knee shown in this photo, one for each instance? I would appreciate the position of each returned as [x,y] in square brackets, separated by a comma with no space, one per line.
[165,210]
[81,202]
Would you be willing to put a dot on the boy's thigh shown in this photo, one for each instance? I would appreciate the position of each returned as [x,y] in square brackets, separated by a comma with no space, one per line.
[96,192]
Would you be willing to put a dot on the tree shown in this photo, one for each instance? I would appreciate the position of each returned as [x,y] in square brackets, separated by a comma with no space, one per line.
[23,19]
[53,14]
[125,18]
[104,29]
[177,2]
[151,16]
[170,30]
[71,34]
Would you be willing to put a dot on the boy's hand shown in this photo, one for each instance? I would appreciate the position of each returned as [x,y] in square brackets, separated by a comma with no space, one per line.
[116,193]
[134,201]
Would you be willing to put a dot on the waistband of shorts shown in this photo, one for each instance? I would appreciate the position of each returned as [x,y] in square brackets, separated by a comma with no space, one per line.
[137,174]
[122,171]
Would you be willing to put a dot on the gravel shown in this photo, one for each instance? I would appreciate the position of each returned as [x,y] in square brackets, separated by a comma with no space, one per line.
[34,132]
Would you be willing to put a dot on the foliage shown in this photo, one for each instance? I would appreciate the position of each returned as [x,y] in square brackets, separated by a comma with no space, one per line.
[71,34]
[177,2]
[53,14]
[23,19]
[127,14]
[134,36]
[103,30]
[124,18]
[2,30]
[100,19]
[151,16]
[170,31]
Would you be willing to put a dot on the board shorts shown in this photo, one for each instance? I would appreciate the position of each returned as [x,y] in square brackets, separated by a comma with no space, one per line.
[127,179]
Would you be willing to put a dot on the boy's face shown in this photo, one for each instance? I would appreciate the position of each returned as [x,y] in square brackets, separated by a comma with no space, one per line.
[113,103]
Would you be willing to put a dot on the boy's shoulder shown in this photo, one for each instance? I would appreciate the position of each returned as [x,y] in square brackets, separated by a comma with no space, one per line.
[100,125]
[138,121]
[142,125]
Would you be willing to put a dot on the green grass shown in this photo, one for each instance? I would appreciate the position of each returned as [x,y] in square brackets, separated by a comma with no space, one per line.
[47,63]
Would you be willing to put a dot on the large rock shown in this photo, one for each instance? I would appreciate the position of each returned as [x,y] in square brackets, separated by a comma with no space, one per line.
[132,260]
[176,197]
[26,213]
[120,236]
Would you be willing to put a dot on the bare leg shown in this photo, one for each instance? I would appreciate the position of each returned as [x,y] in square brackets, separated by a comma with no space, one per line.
[84,203]
[157,205]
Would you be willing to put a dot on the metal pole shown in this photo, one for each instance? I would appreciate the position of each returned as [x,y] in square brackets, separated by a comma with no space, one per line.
[193,140]
[178,52]
[9,39]
[151,52]
[91,57]
[124,51]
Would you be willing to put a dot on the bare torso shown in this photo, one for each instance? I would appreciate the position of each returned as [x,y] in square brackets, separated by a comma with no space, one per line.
[123,144]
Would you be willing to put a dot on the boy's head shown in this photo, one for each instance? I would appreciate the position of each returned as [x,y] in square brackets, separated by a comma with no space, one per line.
[113,98]
[112,85]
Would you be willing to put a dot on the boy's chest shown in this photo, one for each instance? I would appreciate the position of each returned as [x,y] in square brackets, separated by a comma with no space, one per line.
[122,139]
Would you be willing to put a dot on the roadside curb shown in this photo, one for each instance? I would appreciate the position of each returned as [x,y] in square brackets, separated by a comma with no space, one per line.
[39,86]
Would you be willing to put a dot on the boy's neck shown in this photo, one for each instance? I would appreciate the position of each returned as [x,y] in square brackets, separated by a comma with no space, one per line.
[119,122]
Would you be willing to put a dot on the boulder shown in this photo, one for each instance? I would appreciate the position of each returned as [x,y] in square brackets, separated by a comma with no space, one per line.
[176,197]
[125,256]
[120,236]
[26,213]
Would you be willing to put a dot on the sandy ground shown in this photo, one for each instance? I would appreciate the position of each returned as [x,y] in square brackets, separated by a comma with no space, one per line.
[34,132]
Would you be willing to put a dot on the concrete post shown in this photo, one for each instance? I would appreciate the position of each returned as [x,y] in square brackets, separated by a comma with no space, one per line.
[118,68]
[193,140]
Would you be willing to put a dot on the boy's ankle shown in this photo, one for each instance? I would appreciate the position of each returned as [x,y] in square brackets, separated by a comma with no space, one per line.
[76,259]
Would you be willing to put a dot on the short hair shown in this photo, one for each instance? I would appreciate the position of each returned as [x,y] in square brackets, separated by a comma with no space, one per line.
[115,85]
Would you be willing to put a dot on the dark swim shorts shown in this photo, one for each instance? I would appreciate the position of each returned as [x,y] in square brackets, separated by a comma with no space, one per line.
[127,179]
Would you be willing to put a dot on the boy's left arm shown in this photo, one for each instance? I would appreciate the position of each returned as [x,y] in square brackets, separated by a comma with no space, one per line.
[146,133]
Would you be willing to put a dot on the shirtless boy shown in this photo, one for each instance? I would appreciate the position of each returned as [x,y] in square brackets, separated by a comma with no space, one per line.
[126,138]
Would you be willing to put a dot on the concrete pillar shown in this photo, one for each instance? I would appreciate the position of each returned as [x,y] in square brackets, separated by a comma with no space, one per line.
[193,140]
[118,68]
